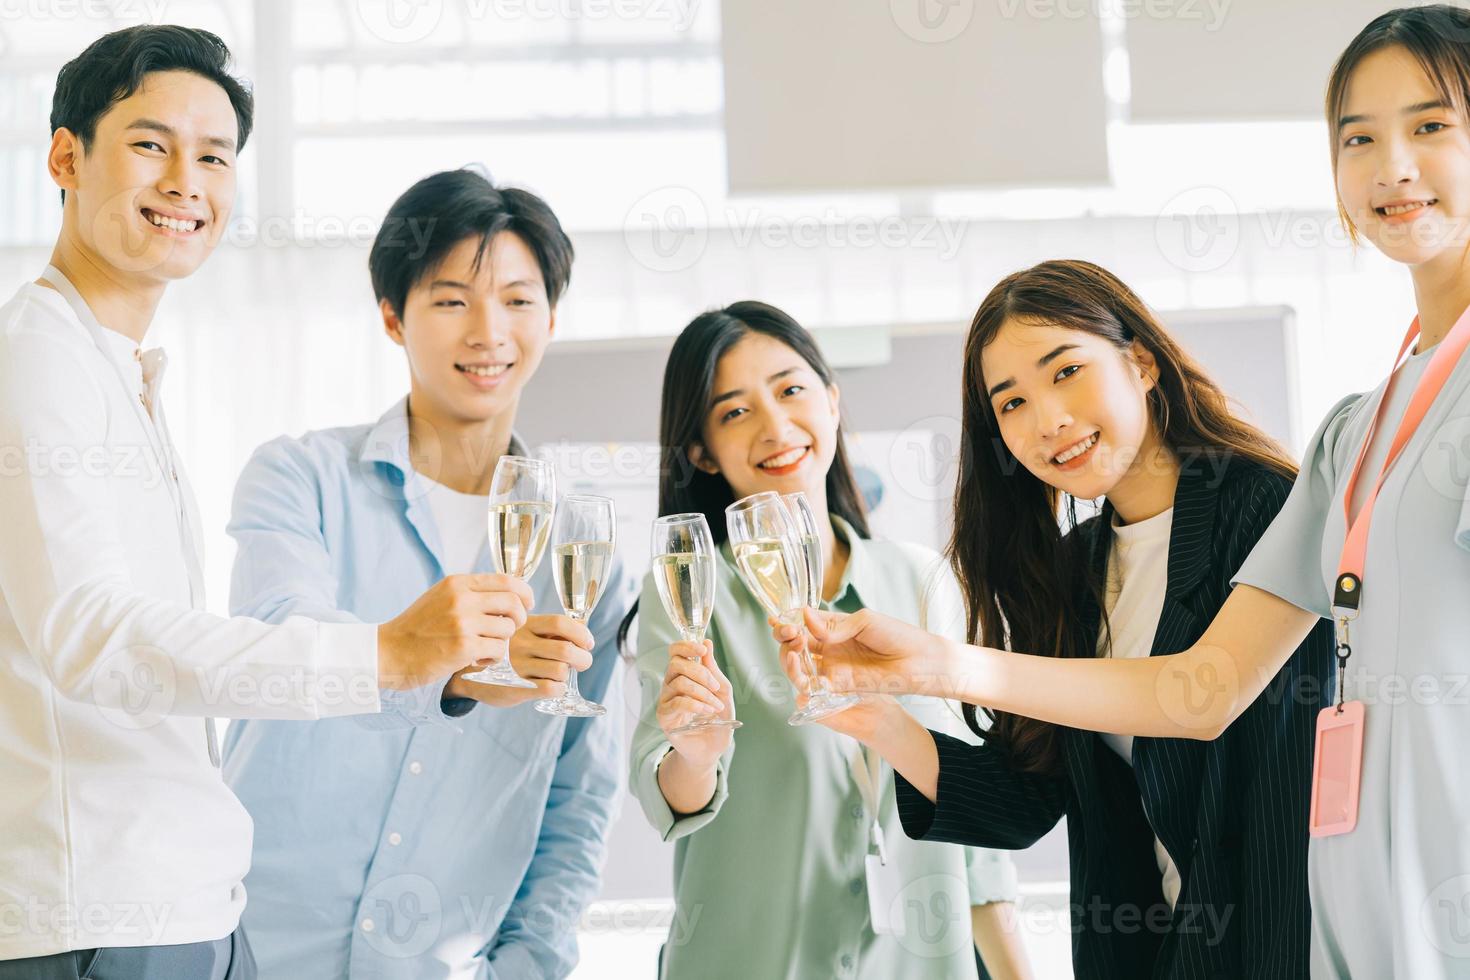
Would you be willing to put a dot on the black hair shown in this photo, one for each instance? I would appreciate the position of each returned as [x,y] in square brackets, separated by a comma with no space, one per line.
[434,215]
[689,378]
[113,66]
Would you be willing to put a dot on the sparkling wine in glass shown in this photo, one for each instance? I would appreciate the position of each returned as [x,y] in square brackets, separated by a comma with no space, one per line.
[522,498]
[767,540]
[581,561]
[684,574]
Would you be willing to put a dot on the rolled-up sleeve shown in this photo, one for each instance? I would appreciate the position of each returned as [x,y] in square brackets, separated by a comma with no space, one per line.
[981,800]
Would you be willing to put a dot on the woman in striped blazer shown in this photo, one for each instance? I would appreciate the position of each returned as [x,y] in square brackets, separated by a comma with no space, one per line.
[1188,856]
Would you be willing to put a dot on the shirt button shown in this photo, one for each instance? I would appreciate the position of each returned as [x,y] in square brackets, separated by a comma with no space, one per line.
[847,962]
[395,838]
[367,925]
[415,767]
[857,813]
[856,887]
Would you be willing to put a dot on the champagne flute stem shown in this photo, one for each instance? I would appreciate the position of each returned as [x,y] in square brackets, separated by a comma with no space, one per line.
[572,692]
[808,665]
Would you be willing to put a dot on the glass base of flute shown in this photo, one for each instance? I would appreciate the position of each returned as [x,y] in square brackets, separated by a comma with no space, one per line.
[822,701]
[571,704]
[702,723]
[501,673]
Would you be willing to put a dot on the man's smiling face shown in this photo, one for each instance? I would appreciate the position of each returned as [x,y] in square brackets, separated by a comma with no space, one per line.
[153,190]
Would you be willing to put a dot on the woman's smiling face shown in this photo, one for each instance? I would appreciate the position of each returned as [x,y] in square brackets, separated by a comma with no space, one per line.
[1403,160]
[1070,406]
[771,423]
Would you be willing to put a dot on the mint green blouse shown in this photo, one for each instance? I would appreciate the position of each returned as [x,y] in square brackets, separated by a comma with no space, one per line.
[769,879]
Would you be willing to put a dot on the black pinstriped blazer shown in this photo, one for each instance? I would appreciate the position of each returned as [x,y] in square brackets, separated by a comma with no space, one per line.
[1232,812]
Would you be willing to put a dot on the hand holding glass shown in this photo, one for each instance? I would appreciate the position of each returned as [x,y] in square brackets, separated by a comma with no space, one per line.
[522,497]
[581,559]
[769,555]
[684,574]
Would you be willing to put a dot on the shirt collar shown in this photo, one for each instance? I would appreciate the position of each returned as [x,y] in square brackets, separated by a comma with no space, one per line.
[144,369]
[858,576]
[388,440]
[122,346]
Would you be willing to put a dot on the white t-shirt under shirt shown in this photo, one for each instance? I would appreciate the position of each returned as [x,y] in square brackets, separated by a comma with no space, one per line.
[461,519]
[1138,571]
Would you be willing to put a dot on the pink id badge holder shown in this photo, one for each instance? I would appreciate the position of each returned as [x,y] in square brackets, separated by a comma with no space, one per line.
[1337,753]
[1337,758]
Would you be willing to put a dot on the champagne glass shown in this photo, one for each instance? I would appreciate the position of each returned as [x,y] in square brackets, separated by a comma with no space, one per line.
[768,550]
[684,573]
[522,497]
[581,558]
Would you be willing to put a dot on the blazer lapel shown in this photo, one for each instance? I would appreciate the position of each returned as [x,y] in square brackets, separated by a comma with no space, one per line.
[1168,770]
[1079,745]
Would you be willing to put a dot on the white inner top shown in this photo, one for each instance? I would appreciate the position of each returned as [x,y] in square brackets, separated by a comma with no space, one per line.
[1138,570]
[462,520]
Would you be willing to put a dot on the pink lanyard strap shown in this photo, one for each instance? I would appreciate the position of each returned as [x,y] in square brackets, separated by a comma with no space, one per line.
[1349,591]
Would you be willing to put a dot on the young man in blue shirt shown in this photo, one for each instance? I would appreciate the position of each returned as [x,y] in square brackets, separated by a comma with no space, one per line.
[444,838]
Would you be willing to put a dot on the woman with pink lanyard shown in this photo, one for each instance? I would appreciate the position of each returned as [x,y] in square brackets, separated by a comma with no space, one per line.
[1375,535]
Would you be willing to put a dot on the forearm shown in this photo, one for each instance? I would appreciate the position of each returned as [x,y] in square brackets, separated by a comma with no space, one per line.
[1193,694]
[998,938]
[906,745]
[687,788]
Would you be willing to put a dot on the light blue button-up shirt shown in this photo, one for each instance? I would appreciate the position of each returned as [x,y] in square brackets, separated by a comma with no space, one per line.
[406,844]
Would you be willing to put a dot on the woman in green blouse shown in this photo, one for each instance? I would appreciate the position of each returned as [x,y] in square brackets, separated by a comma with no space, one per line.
[773,824]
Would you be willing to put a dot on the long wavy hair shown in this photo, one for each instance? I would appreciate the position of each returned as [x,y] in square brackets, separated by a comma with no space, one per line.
[1024,577]
[688,388]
